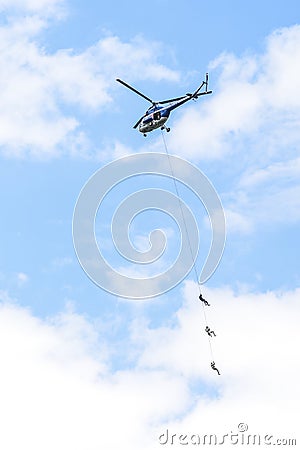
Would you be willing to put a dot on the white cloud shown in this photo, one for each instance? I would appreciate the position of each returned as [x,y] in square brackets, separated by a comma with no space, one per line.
[283,172]
[22,277]
[43,92]
[257,337]
[250,126]
[269,195]
[137,58]
[237,222]
[255,104]
[115,150]
[61,262]
[5,296]
[43,7]
[58,388]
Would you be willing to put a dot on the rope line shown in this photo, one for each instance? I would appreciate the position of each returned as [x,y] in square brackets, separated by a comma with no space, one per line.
[188,238]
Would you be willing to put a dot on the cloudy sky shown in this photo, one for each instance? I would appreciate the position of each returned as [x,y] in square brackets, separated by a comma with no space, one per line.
[82,369]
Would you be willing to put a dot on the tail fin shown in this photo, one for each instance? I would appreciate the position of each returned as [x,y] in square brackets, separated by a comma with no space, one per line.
[197,93]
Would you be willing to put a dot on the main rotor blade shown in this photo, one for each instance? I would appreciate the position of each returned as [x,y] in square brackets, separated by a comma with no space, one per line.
[195,94]
[172,99]
[138,122]
[135,90]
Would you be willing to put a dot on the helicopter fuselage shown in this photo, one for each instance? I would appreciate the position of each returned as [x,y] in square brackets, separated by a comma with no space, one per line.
[155,117]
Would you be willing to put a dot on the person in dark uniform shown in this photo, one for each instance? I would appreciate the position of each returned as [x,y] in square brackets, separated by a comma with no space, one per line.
[213,366]
[203,300]
[210,332]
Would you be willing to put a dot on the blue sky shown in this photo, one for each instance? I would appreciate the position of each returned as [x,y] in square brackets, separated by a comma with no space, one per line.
[73,354]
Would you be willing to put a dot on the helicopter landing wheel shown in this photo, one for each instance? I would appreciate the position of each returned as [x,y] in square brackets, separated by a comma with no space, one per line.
[165,128]
[144,135]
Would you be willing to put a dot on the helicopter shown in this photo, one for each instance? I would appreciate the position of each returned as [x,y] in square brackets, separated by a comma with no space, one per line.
[157,114]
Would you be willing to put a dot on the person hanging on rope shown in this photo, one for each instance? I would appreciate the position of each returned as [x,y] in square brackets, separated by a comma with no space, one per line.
[210,332]
[203,300]
[213,366]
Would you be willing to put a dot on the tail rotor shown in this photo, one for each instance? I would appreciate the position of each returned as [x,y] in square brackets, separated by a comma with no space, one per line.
[206,82]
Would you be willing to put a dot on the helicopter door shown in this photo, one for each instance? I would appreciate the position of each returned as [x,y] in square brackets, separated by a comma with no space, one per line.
[157,115]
